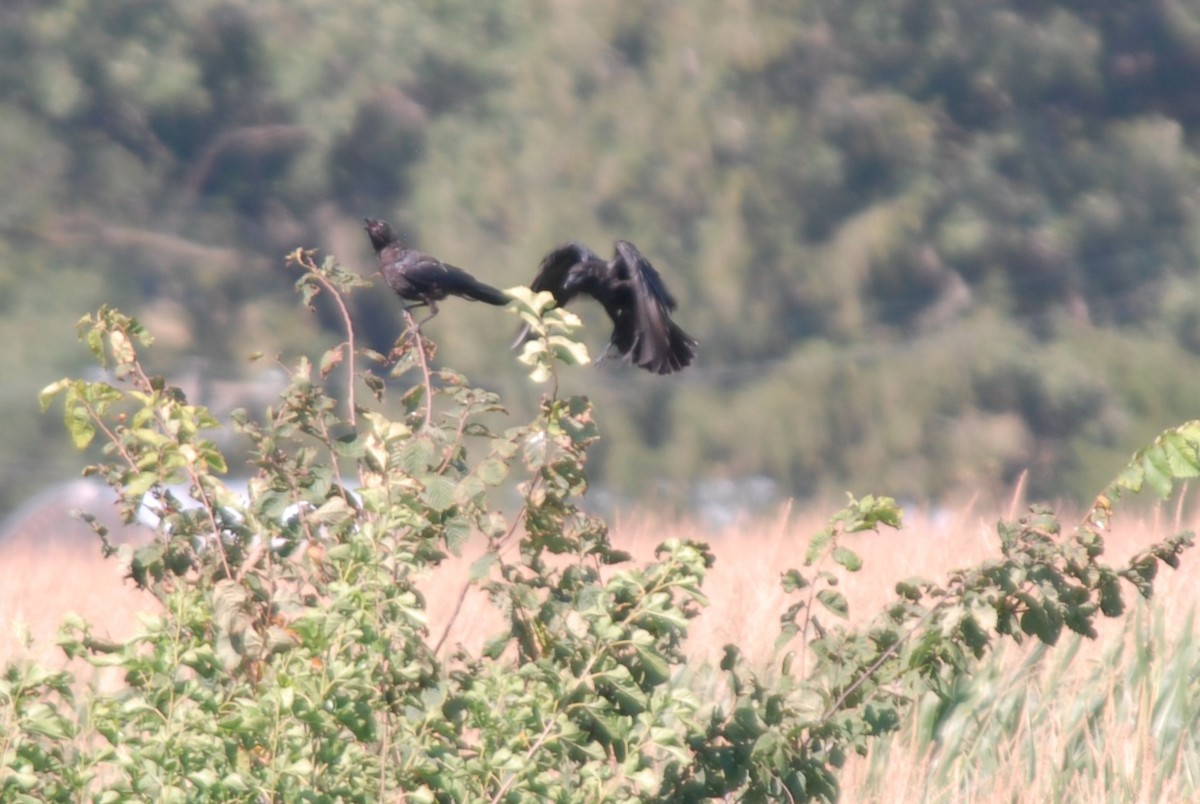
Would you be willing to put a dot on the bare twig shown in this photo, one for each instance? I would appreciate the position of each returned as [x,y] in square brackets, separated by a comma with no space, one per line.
[109,434]
[415,331]
[349,342]
[458,604]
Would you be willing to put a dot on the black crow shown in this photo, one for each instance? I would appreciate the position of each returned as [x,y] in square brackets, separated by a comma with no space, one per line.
[633,295]
[422,279]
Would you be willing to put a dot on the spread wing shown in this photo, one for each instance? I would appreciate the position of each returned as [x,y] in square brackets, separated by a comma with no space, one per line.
[560,271]
[633,295]
[643,330]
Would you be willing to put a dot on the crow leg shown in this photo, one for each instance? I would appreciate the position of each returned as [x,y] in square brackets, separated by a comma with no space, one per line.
[433,310]
[609,351]
[414,326]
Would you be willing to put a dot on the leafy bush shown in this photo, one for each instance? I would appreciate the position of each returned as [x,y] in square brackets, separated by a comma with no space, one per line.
[292,658]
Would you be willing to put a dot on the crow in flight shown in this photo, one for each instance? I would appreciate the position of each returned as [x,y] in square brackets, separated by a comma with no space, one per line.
[634,297]
[423,279]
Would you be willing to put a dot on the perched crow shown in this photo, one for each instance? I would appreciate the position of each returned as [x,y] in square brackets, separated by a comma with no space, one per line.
[423,279]
[634,297]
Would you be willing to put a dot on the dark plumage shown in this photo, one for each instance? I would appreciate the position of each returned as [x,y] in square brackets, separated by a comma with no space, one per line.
[422,279]
[633,295]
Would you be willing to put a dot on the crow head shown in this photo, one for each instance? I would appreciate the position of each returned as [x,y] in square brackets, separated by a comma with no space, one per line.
[380,233]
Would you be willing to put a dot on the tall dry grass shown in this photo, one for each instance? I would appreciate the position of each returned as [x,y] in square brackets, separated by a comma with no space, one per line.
[40,581]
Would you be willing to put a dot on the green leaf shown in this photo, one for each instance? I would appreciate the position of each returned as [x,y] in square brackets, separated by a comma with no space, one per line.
[985,616]
[974,634]
[482,566]
[213,459]
[47,394]
[1158,471]
[330,360]
[730,658]
[1131,477]
[122,348]
[374,383]
[524,300]
[881,718]
[203,779]
[300,768]
[456,531]
[910,588]
[140,483]
[793,580]
[847,558]
[471,490]
[541,373]
[835,601]
[607,728]
[655,666]
[749,724]
[492,471]
[417,455]
[333,512]
[1141,573]
[816,547]
[439,492]
[1181,456]
[495,646]
[570,352]
[1112,604]
[41,719]
[79,426]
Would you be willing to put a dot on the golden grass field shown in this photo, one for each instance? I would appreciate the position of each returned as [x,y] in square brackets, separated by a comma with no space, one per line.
[40,581]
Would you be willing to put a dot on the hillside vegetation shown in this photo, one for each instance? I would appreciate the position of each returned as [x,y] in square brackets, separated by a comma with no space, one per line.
[926,245]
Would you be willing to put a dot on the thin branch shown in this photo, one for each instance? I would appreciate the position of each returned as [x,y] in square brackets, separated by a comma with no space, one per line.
[458,434]
[462,594]
[208,504]
[458,604]
[888,653]
[533,749]
[808,608]
[109,434]
[350,349]
[545,735]
[206,500]
[384,747]
[415,331]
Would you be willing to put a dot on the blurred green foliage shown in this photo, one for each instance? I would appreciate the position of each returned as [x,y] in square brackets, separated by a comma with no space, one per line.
[926,244]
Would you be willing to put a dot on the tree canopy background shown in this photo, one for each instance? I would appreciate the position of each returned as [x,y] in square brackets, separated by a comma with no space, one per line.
[926,245]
